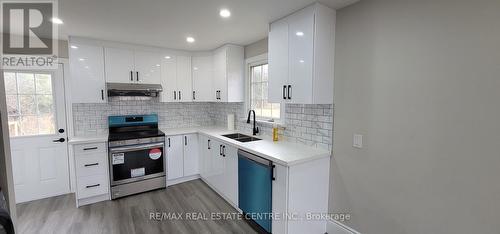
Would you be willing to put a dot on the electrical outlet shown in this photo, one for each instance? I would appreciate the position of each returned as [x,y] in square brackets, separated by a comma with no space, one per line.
[357,141]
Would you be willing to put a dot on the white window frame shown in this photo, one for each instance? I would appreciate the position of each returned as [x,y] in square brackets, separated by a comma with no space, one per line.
[249,63]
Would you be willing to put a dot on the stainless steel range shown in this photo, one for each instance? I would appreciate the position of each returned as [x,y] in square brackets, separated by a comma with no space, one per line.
[136,154]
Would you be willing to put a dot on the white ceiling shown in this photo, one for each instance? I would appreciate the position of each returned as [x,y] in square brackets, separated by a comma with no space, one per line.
[167,23]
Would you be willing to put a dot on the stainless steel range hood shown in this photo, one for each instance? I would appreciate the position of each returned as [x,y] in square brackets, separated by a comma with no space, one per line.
[141,90]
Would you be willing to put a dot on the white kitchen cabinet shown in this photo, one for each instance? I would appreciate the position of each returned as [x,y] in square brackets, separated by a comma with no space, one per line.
[119,65]
[132,66]
[175,157]
[230,188]
[182,156]
[86,63]
[92,174]
[191,155]
[176,79]
[205,155]
[216,177]
[301,56]
[228,74]
[147,67]
[202,70]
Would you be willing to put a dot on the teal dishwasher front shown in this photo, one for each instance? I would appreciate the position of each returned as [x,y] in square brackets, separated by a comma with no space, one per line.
[255,175]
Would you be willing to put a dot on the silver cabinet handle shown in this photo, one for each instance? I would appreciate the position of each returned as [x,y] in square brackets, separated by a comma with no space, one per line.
[142,147]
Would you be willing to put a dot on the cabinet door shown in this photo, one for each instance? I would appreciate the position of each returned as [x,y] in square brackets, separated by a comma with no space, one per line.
[280,196]
[175,159]
[220,75]
[191,155]
[205,154]
[202,78]
[278,61]
[184,81]
[88,84]
[119,65]
[169,79]
[230,188]
[218,167]
[147,67]
[300,34]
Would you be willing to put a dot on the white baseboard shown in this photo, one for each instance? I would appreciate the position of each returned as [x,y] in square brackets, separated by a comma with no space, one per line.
[334,227]
[182,179]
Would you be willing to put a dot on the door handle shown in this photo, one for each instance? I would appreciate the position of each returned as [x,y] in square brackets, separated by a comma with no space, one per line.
[59,140]
[131,76]
[175,95]
[185,140]
[208,143]
[194,97]
[220,149]
[180,95]
[289,92]
[168,142]
[223,151]
[61,130]
[137,76]
[102,94]
[92,164]
[90,148]
[91,186]
[284,92]
[273,176]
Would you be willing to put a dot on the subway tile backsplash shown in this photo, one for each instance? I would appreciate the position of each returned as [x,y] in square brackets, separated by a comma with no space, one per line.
[311,125]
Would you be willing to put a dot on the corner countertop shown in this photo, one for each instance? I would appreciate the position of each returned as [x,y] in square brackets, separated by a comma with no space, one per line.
[281,152]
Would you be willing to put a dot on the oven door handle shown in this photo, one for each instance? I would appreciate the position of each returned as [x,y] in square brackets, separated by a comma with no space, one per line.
[136,147]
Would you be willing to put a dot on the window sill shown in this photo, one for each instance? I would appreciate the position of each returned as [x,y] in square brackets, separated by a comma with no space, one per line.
[267,122]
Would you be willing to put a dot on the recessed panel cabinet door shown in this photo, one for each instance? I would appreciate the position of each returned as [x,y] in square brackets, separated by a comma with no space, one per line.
[278,61]
[119,65]
[169,79]
[230,189]
[147,67]
[220,75]
[175,160]
[191,155]
[300,36]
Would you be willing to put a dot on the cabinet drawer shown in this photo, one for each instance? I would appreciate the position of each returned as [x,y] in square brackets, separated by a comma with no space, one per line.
[91,164]
[90,148]
[94,185]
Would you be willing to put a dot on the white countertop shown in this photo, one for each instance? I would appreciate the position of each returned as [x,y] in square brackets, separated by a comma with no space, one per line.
[280,152]
[88,139]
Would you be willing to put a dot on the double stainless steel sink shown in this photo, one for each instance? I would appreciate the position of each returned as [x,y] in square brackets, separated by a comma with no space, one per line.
[241,137]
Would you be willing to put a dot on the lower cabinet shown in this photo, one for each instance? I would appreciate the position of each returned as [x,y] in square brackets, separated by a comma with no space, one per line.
[92,177]
[182,156]
[219,163]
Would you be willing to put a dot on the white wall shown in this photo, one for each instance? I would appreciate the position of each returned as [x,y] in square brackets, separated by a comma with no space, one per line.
[421,81]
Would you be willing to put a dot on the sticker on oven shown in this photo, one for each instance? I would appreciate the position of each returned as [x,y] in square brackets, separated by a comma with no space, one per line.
[118,158]
[155,154]
[137,172]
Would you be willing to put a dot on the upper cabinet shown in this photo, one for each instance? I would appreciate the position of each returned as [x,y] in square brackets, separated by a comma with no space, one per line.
[301,56]
[228,74]
[132,66]
[176,78]
[86,64]
[202,73]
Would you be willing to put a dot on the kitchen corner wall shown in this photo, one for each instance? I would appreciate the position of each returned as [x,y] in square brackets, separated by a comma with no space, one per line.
[306,124]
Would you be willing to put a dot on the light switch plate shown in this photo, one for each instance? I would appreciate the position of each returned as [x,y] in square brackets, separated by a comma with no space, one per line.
[357,141]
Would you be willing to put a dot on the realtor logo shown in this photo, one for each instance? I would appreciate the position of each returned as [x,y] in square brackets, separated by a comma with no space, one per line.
[27,34]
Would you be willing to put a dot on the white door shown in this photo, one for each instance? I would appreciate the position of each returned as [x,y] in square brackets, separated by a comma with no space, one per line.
[37,126]
[175,161]
[88,84]
[169,79]
[220,75]
[191,155]
[300,34]
[119,65]
[184,81]
[147,67]
[202,78]
[231,174]
[278,61]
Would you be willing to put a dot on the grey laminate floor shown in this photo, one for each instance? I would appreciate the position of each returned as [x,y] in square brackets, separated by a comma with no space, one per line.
[132,214]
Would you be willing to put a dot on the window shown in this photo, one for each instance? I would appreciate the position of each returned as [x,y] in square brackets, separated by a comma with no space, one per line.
[30,103]
[258,94]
